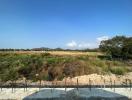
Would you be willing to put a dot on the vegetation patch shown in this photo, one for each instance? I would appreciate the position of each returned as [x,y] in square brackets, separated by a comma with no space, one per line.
[15,66]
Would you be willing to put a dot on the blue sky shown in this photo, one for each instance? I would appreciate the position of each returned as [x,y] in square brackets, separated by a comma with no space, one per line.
[62,23]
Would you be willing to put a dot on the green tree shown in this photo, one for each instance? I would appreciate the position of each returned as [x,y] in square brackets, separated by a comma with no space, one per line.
[117,47]
[127,48]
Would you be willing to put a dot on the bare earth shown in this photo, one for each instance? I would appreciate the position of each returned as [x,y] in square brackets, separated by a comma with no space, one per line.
[96,79]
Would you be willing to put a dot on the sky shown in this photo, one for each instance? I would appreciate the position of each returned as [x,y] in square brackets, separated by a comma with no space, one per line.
[72,24]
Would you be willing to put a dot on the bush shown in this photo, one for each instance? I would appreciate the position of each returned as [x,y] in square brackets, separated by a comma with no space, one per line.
[45,54]
[117,63]
[118,70]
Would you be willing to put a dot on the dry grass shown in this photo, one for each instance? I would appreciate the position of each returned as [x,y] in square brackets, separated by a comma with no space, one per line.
[59,53]
[74,53]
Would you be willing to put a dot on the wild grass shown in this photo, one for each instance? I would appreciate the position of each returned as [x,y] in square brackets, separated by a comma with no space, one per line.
[50,67]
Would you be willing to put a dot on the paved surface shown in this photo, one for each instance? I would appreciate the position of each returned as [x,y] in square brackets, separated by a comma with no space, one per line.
[66,94]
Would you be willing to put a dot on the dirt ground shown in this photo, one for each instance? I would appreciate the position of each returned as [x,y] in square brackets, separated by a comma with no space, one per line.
[95,79]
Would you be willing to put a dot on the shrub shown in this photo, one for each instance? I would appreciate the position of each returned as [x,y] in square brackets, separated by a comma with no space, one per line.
[118,70]
[45,54]
[117,63]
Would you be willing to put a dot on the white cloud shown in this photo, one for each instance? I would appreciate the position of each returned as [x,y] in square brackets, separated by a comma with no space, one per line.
[83,45]
[75,45]
[99,39]
[72,44]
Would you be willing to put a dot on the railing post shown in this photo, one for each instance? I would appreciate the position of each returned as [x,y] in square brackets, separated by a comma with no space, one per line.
[90,83]
[111,82]
[114,85]
[12,86]
[126,82]
[104,83]
[26,85]
[40,85]
[77,84]
[15,86]
[51,90]
[130,84]
[1,87]
[65,84]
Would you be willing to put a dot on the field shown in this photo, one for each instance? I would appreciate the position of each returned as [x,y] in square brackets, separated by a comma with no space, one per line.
[59,53]
[55,65]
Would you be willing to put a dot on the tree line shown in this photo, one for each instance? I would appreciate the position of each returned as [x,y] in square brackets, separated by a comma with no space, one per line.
[51,49]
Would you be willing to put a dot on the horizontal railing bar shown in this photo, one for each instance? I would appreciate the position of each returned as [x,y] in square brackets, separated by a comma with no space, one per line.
[67,86]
